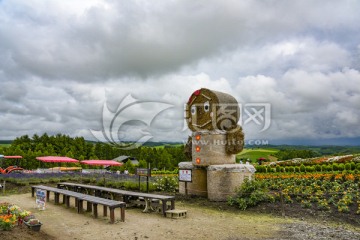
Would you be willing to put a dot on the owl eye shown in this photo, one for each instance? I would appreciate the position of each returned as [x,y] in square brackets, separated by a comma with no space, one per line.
[206,106]
[193,110]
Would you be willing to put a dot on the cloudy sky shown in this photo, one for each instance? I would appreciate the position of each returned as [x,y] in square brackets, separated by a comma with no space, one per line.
[74,66]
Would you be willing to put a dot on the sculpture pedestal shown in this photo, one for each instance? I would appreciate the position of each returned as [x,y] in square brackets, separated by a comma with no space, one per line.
[222,180]
[198,186]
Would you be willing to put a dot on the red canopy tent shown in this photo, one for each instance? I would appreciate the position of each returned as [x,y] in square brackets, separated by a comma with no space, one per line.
[13,157]
[101,162]
[57,159]
[13,168]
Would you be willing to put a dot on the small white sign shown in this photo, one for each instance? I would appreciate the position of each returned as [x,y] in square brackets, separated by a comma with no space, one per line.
[40,199]
[185,175]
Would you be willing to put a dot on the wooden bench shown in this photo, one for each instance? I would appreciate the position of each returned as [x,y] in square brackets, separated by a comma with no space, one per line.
[126,195]
[92,201]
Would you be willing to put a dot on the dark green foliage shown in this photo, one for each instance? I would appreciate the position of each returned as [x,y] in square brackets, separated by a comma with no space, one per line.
[302,168]
[352,166]
[295,153]
[347,166]
[78,148]
[341,167]
[250,194]
[335,167]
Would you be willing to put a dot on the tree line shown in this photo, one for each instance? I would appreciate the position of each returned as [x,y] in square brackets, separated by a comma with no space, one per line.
[294,153]
[166,157]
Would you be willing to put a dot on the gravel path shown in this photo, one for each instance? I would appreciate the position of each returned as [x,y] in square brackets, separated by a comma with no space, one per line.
[318,231]
[201,223]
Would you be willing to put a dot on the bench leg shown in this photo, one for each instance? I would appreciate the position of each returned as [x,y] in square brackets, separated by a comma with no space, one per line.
[97,193]
[88,207]
[122,214]
[76,203]
[112,215]
[105,211]
[32,191]
[67,198]
[172,204]
[47,196]
[64,199]
[164,207]
[56,198]
[148,207]
[95,210]
[80,205]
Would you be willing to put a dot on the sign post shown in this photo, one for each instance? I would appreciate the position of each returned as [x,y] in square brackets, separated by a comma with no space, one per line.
[185,175]
[145,172]
[40,199]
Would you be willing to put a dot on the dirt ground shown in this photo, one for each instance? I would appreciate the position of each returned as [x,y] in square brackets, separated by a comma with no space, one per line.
[202,222]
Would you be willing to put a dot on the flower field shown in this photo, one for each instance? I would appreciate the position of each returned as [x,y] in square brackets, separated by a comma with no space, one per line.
[323,191]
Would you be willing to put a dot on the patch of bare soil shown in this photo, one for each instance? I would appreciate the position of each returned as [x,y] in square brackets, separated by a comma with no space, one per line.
[24,233]
[205,220]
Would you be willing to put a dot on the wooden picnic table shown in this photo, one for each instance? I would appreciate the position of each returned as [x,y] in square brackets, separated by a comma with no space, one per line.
[126,195]
[92,201]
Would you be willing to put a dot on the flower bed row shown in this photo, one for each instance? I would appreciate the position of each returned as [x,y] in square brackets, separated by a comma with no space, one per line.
[318,160]
[325,192]
[329,167]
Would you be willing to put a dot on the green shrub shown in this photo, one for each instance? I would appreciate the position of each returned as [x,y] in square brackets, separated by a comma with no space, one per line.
[353,166]
[167,184]
[341,167]
[250,193]
[335,167]
[309,169]
[131,185]
[302,168]
[318,168]
[54,180]
[260,169]
[347,166]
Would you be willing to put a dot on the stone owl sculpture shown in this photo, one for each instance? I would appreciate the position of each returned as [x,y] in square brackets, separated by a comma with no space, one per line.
[213,113]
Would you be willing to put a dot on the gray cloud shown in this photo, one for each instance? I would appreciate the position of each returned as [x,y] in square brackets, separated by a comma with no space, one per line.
[62,60]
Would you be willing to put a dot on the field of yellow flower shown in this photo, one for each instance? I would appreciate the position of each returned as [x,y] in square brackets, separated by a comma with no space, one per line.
[324,191]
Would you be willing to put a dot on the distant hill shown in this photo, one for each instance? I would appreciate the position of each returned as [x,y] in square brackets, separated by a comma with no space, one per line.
[322,150]
[5,142]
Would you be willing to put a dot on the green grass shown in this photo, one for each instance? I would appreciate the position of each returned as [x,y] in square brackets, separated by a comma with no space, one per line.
[255,153]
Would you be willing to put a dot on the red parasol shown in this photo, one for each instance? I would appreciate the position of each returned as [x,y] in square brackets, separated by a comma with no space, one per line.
[13,157]
[56,159]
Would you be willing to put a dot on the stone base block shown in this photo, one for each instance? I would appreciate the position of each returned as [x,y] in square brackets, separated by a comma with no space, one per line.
[198,186]
[176,213]
[222,180]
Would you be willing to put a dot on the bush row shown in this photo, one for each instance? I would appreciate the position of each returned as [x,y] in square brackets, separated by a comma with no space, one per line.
[316,168]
